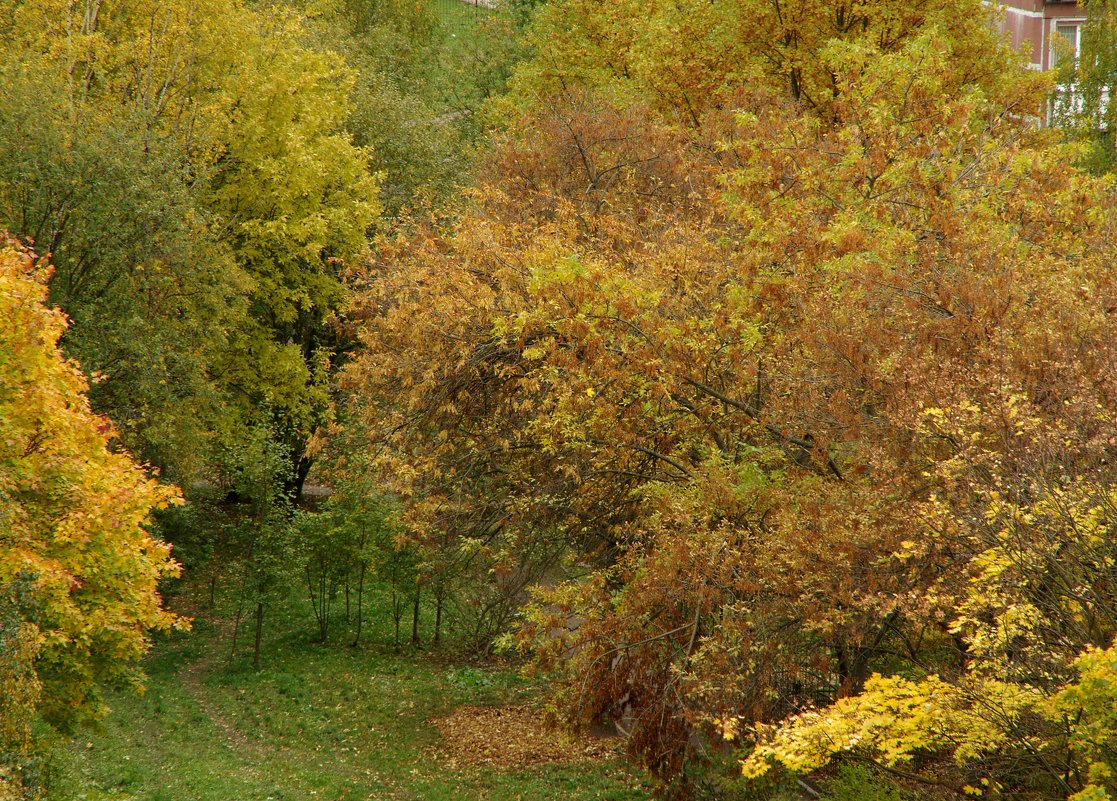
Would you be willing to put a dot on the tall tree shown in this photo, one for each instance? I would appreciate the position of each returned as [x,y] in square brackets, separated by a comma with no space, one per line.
[188,167]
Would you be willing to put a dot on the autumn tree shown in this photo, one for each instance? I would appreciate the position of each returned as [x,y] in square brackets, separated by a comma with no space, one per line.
[684,58]
[777,380]
[78,570]
[189,169]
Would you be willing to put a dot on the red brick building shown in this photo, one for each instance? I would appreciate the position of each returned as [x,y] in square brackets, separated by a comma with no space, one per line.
[1037,26]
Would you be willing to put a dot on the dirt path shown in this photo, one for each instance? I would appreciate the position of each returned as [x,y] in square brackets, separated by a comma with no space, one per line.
[254,755]
[190,678]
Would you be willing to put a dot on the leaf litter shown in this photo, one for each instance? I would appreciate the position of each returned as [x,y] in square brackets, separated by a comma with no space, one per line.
[510,737]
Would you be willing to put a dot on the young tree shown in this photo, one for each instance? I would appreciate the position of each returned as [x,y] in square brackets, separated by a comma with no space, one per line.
[255,472]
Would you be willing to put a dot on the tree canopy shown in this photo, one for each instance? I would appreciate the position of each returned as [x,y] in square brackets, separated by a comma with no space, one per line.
[793,327]
[187,166]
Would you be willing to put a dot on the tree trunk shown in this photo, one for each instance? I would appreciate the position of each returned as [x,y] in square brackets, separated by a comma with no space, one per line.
[318,604]
[397,613]
[360,599]
[438,616]
[347,572]
[324,622]
[300,469]
[236,624]
[415,617]
[313,596]
[259,629]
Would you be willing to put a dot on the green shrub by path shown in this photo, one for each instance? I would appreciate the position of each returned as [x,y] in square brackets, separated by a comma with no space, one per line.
[860,783]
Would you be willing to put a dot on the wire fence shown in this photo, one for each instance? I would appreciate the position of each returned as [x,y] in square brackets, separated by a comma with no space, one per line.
[456,14]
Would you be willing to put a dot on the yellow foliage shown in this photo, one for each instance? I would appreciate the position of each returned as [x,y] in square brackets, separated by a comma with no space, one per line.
[72,513]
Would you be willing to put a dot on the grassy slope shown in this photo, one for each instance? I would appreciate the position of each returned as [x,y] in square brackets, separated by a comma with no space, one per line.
[316,723]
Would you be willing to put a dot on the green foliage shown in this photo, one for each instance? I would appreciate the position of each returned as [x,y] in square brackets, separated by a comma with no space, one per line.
[859,783]
[424,73]
[151,294]
[20,687]
[1081,103]
[199,193]
[348,544]
[264,533]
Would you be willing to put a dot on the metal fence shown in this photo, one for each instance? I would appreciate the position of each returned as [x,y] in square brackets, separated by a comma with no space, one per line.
[459,13]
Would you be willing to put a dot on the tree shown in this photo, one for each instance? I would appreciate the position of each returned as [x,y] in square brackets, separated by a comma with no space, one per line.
[684,58]
[354,540]
[264,527]
[1086,81]
[74,547]
[765,383]
[152,294]
[189,169]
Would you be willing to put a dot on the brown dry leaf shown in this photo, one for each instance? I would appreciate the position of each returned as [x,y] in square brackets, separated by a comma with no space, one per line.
[510,737]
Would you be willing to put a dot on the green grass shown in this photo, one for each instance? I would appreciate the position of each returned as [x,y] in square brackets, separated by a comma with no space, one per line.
[477,52]
[317,723]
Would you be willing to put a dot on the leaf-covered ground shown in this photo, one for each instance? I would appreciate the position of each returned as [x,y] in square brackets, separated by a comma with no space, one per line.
[513,737]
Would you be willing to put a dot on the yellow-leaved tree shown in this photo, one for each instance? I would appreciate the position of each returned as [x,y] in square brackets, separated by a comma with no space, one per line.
[78,570]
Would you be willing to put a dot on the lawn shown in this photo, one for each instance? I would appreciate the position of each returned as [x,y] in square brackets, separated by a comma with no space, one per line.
[316,723]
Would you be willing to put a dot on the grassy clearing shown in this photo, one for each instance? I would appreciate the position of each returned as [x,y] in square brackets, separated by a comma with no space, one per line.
[318,722]
[463,26]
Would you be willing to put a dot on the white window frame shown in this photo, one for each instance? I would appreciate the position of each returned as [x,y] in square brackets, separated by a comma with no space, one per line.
[1078,24]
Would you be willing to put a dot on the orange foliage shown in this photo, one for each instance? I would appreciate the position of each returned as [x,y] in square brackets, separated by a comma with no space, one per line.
[757,375]
[72,511]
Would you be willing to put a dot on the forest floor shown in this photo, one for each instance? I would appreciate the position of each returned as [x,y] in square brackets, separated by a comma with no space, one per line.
[329,723]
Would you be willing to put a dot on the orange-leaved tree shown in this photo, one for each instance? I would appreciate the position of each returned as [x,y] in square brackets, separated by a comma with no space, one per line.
[803,393]
[78,570]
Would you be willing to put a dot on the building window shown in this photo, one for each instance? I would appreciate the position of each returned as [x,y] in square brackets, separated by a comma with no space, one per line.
[1066,47]
[1067,42]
